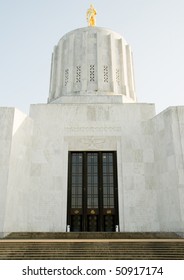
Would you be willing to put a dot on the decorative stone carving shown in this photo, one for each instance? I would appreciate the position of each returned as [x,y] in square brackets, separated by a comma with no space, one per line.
[93,142]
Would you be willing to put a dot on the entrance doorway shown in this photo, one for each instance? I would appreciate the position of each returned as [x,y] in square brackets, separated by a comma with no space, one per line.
[92,191]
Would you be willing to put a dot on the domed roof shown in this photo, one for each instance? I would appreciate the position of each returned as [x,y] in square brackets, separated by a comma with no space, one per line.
[92,61]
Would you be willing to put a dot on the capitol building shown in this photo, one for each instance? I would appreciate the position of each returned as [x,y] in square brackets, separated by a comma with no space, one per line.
[92,158]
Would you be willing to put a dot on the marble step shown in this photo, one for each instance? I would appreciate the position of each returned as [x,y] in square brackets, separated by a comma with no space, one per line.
[60,250]
[92,235]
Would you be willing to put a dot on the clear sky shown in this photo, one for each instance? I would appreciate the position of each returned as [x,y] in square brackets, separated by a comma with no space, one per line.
[29,29]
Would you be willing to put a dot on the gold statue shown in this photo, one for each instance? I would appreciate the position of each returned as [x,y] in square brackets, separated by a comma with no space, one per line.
[91,16]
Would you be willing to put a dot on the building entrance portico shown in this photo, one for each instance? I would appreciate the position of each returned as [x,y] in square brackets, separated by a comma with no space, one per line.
[92,191]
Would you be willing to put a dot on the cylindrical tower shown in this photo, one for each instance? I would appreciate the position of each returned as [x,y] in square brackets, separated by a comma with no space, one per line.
[92,61]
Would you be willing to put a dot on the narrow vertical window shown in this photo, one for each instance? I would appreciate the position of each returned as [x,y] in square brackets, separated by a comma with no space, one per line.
[66,76]
[118,77]
[106,74]
[92,73]
[78,74]
[92,180]
[76,182]
[108,180]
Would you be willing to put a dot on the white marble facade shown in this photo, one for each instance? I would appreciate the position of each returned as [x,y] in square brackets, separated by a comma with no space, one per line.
[92,115]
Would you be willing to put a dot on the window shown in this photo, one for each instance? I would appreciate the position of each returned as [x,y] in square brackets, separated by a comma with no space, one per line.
[92,73]
[66,76]
[76,190]
[118,77]
[78,74]
[106,74]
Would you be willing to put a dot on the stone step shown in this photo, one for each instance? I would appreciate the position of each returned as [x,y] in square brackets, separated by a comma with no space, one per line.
[91,250]
[92,235]
[91,246]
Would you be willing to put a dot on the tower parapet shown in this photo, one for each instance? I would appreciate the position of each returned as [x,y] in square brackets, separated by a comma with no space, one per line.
[92,61]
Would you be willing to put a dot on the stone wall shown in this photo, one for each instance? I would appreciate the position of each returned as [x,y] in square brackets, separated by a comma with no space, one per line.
[169,168]
[34,163]
[59,128]
[16,157]
[6,130]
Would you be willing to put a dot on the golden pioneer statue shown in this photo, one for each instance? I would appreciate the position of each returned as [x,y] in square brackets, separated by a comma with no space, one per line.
[91,16]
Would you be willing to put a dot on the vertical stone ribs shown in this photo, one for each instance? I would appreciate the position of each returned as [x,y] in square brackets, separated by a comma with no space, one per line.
[95,61]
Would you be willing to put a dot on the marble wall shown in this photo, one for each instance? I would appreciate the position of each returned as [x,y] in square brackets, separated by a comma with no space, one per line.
[15,140]
[59,128]
[6,129]
[34,163]
[169,167]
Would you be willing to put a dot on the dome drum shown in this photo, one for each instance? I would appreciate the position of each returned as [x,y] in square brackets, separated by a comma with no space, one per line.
[92,61]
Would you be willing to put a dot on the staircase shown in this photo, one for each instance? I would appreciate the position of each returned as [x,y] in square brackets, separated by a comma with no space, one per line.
[92,246]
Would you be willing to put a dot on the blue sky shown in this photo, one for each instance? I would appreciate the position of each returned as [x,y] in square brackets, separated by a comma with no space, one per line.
[29,29]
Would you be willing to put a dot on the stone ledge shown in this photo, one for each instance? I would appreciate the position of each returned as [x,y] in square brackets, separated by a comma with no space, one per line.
[92,235]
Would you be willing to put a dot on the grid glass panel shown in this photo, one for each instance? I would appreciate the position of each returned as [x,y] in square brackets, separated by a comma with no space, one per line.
[76,184]
[92,180]
[108,180]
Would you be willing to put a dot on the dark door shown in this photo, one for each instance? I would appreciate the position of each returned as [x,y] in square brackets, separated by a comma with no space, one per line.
[92,191]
